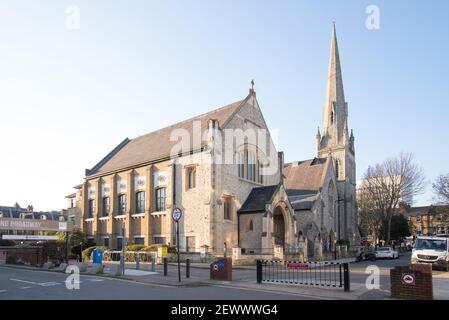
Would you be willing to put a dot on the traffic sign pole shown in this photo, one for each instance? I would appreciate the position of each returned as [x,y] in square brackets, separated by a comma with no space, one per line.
[177,214]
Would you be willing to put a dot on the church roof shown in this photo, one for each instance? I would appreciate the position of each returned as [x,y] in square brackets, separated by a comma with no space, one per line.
[157,145]
[302,202]
[304,175]
[257,199]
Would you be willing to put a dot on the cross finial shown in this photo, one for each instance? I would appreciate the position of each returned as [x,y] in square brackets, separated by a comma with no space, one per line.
[251,90]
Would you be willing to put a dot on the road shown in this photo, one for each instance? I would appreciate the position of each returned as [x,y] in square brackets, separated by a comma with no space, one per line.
[27,285]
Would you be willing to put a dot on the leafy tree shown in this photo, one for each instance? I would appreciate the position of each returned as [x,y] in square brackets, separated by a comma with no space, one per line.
[400,227]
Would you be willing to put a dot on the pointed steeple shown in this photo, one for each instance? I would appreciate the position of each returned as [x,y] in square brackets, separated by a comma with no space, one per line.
[335,96]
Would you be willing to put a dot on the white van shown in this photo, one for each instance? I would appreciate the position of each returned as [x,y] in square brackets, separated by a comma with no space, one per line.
[431,250]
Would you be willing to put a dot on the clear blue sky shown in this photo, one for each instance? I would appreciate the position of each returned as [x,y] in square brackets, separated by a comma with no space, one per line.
[67,97]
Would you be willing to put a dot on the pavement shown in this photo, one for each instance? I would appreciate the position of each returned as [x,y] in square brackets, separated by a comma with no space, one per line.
[27,283]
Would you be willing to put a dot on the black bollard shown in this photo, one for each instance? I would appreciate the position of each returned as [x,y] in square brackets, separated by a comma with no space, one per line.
[165,267]
[188,268]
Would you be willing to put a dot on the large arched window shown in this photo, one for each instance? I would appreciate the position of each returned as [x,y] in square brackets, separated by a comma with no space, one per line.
[337,168]
[331,200]
[249,165]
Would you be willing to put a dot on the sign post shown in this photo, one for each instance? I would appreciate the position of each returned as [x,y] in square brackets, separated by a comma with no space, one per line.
[177,214]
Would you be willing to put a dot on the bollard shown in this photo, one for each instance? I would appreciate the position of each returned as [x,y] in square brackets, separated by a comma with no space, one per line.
[165,267]
[153,264]
[188,268]
[347,283]
[259,271]
[137,262]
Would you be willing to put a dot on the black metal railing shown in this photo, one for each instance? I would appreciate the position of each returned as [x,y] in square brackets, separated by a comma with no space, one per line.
[319,274]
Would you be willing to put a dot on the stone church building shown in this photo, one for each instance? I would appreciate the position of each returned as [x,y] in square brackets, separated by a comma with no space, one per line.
[235,194]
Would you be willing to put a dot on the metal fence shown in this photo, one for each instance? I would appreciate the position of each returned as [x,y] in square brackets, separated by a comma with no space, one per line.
[131,256]
[319,274]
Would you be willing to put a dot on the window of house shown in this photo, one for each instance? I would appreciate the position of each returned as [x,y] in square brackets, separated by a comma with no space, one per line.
[160,199]
[106,242]
[241,165]
[250,166]
[418,218]
[159,240]
[332,117]
[106,206]
[190,244]
[251,225]
[119,243]
[337,169]
[140,202]
[260,171]
[139,240]
[227,209]
[191,177]
[418,230]
[122,204]
[91,208]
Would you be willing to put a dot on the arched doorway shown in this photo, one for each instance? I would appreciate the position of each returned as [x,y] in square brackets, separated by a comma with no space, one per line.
[279,228]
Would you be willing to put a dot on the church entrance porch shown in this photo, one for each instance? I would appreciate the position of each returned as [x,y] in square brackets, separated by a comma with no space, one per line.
[279,228]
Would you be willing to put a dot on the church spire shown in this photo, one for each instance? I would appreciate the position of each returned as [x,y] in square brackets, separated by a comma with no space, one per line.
[335,97]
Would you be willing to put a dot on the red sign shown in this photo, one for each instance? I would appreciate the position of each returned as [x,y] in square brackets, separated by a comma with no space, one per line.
[408,279]
[177,214]
[302,266]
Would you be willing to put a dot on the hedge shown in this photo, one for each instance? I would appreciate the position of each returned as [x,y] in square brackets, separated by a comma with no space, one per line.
[7,243]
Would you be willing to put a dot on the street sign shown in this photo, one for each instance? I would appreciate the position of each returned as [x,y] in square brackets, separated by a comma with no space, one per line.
[177,214]
[408,279]
[28,237]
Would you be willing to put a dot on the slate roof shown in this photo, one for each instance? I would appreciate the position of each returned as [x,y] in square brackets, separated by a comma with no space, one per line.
[304,175]
[416,211]
[157,145]
[18,213]
[257,199]
[302,202]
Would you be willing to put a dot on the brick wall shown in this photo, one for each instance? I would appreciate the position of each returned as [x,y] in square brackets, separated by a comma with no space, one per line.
[422,289]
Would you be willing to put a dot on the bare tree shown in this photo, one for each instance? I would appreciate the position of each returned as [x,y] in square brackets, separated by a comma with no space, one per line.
[370,218]
[441,188]
[389,183]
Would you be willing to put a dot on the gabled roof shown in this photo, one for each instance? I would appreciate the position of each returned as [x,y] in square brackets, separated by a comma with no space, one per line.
[257,199]
[157,145]
[305,175]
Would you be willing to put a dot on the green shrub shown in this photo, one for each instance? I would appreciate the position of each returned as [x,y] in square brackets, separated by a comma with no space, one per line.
[151,248]
[172,249]
[135,247]
[344,242]
[7,243]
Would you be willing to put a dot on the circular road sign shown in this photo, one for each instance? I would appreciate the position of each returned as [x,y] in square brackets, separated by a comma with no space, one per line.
[177,214]
[408,279]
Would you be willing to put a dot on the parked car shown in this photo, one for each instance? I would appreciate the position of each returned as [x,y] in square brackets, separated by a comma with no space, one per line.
[431,250]
[386,253]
